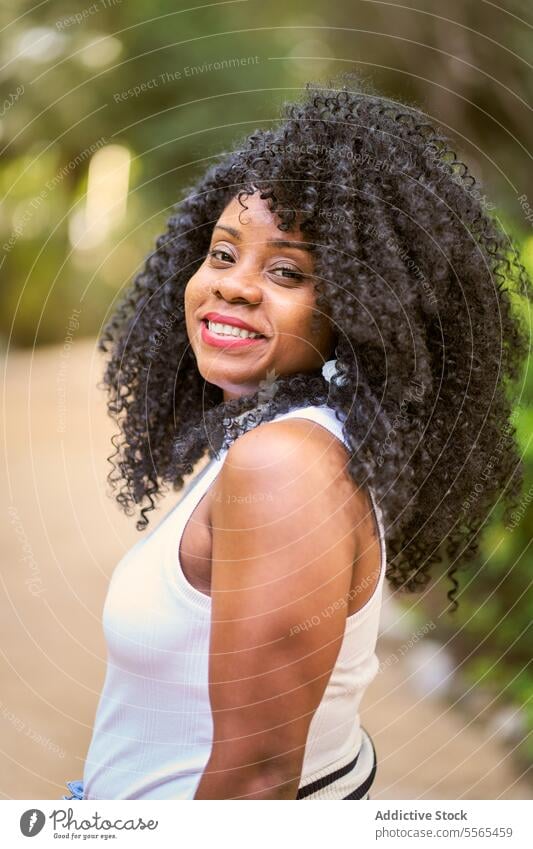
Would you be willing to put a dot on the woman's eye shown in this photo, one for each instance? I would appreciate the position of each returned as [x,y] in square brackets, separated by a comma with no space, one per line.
[219,251]
[289,272]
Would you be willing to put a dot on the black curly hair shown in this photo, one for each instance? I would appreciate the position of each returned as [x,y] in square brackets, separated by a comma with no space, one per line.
[418,279]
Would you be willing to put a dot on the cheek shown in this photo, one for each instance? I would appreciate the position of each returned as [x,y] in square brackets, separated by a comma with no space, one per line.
[192,298]
[316,328]
[304,321]
[194,292]
[295,324]
[191,288]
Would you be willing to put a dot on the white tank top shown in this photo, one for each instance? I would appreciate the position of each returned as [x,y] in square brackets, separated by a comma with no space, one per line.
[153,729]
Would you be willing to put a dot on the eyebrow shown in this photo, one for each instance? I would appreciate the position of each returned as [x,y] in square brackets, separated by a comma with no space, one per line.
[278,243]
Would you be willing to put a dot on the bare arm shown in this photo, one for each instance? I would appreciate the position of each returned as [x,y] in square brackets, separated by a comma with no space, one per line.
[283,548]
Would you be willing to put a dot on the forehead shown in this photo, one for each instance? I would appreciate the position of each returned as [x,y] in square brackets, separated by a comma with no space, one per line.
[255,218]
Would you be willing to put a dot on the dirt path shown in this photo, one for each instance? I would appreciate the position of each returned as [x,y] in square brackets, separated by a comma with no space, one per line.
[62,537]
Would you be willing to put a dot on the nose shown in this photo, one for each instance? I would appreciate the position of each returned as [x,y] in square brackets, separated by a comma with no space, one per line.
[238,288]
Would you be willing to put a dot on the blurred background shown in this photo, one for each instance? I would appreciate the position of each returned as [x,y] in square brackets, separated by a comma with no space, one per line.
[107,109]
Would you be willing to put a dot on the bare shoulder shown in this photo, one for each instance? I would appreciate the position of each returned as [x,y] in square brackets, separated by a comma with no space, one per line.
[288,445]
[295,459]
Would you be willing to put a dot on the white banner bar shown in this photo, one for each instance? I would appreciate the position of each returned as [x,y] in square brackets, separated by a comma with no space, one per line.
[219,824]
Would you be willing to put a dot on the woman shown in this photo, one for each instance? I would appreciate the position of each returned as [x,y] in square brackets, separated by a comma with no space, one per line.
[327,322]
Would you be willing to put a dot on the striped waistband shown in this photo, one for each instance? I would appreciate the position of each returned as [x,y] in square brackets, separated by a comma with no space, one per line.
[351,781]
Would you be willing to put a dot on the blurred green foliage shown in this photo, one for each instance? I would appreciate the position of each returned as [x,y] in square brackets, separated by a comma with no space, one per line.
[110,71]
[496,607]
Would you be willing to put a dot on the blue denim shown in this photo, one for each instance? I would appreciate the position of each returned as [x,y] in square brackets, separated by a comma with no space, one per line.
[77,789]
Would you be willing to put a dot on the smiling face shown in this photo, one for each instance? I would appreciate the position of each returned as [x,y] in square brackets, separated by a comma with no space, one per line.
[256,277]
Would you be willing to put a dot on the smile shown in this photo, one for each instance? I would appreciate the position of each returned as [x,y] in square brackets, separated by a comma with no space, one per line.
[227,336]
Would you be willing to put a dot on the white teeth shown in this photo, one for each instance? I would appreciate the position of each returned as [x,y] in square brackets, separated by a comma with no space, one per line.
[230,330]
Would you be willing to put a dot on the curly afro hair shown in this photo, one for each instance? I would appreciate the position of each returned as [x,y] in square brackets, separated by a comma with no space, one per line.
[418,280]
